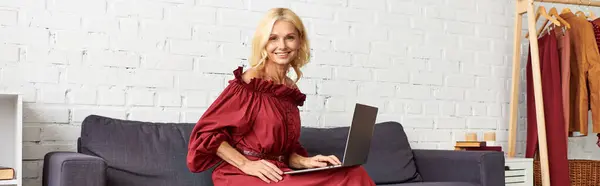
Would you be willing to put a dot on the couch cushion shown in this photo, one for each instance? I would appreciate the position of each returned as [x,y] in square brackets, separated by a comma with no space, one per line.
[390,158]
[434,184]
[141,153]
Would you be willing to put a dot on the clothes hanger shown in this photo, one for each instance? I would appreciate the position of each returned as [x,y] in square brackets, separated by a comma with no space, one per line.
[566,10]
[580,13]
[554,13]
[592,15]
[541,11]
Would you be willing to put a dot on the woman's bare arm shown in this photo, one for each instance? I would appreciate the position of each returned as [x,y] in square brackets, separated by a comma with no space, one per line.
[231,155]
[264,170]
[295,161]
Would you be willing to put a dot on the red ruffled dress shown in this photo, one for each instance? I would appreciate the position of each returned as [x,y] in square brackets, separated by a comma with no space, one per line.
[259,117]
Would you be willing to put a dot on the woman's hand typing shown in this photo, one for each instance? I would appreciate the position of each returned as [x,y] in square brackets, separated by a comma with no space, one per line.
[300,162]
[262,169]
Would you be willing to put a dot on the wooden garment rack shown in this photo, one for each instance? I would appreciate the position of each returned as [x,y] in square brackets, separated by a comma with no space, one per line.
[522,7]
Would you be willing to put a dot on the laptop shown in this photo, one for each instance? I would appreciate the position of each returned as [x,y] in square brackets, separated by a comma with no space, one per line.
[358,143]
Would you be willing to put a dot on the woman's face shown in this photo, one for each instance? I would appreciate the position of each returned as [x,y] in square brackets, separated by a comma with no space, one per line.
[284,43]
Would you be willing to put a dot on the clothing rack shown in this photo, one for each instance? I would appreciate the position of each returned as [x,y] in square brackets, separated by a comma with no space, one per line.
[522,7]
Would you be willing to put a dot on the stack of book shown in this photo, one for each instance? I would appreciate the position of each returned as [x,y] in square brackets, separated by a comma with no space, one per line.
[476,146]
[7,173]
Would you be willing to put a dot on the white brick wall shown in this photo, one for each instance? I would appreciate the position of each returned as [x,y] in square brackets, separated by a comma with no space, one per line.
[441,68]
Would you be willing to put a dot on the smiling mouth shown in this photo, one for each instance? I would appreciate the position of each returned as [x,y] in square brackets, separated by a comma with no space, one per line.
[282,54]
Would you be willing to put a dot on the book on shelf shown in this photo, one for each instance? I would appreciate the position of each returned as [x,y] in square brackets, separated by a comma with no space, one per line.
[487,148]
[7,173]
[470,144]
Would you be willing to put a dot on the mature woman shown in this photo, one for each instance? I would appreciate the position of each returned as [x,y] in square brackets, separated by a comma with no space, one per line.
[252,128]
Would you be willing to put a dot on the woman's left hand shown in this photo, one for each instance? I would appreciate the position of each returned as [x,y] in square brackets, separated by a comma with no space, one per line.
[320,161]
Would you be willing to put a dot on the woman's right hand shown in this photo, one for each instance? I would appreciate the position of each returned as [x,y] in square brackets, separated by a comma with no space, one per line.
[262,169]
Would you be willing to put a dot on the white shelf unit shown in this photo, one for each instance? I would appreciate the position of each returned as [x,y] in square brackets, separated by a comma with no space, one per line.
[520,172]
[11,135]
[8,182]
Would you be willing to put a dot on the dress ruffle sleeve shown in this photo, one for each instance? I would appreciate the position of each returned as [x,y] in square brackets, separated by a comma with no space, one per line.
[232,113]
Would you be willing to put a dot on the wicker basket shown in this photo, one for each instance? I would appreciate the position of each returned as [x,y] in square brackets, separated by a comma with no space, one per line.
[582,172]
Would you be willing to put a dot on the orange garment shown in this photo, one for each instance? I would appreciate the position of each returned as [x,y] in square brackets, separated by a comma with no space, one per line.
[565,74]
[585,73]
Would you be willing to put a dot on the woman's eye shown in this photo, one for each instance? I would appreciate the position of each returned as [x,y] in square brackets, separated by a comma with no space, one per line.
[290,37]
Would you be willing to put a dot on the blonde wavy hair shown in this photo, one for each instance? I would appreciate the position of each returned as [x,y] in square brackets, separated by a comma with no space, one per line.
[258,57]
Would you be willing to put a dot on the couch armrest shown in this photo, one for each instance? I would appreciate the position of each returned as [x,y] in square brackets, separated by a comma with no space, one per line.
[71,168]
[483,167]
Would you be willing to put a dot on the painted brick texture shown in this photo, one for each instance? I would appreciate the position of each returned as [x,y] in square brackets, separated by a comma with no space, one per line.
[441,68]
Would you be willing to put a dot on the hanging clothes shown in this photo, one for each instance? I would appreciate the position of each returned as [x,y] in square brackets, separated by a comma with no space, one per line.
[596,26]
[563,39]
[585,72]
[554,117]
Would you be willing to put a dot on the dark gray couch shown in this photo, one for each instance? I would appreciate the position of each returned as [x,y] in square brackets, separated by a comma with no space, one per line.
[113,152]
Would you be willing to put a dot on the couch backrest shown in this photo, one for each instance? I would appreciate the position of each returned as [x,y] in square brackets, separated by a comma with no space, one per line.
[390,158]
[154,154]
[141,153]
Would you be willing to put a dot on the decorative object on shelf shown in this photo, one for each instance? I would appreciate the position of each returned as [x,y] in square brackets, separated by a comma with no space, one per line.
[490,138]
[471,136]
[476,146]
[488,148]
[7,173]
[470,144]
